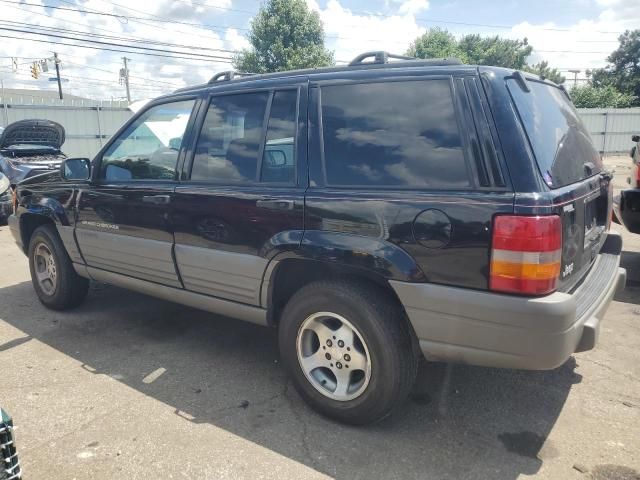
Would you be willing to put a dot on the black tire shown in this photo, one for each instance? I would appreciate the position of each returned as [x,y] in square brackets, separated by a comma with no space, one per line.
[384,329]
[70,289]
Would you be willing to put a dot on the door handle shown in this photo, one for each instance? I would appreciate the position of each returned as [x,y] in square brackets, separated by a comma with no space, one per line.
[276,204]
[156,199]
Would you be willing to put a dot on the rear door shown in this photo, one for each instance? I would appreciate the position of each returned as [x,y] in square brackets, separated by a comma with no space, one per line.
[241,200]
[406,160]
[123,222]
[571,170]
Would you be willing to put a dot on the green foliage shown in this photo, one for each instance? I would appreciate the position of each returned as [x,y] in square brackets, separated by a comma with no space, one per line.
[496,51]
[284,35]
[607,96]
[542,69]
[436,43]
[623,71]
[474,49]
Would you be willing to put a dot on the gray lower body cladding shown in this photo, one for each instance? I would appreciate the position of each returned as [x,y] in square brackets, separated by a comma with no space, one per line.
[192,299]
[132,256]
[494,330]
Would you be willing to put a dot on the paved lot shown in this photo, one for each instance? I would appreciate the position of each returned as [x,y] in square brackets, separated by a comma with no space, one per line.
[132,387]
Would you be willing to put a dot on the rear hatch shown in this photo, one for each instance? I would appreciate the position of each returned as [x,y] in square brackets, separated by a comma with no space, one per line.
[571,168]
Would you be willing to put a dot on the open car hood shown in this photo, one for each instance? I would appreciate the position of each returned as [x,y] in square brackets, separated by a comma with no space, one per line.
[33,132]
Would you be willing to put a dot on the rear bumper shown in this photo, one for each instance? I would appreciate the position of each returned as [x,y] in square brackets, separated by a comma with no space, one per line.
[495,330]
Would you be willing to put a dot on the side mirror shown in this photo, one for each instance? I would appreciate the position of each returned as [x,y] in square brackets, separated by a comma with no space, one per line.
[635,138]
[276,158]
[76,169]
[175,143]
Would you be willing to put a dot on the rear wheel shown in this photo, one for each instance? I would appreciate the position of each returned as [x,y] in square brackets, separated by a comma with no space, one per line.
[54,279]
[348,349]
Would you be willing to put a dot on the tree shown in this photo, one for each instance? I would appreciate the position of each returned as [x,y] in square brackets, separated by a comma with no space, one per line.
[607,96]
[623,71]
[474,49]
[496,51]
[436,43]
[284,35]
[545,71]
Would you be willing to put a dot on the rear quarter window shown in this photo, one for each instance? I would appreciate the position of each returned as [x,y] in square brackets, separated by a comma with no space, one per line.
[393,134]
[560,142]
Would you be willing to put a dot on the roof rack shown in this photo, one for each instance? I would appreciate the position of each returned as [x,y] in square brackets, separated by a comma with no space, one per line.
[378,57]
[227,76]
[382,57]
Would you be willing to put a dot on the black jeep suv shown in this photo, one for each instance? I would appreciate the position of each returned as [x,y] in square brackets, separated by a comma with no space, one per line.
[371,213]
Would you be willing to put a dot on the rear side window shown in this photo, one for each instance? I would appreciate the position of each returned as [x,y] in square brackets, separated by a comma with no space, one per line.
[278,164]
[233,136]
[560,142]
[401,134]
[229,142]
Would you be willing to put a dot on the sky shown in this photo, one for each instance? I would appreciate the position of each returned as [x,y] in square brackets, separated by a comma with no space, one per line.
[569,34]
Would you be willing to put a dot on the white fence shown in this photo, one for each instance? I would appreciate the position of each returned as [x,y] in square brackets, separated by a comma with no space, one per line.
[87,124]
[611,128]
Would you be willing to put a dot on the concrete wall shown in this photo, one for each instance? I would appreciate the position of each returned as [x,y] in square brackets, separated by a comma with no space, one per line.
[88,124]
[611,128]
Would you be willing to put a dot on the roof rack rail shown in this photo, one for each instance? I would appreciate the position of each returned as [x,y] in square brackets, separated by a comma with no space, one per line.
[227,76]
[378,57]
[382,57]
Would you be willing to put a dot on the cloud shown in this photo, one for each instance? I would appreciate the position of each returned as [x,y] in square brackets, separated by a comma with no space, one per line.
[94,73]
[350,34]
[413,6]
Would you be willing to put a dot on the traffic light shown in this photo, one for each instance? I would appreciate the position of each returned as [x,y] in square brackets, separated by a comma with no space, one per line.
[35,70]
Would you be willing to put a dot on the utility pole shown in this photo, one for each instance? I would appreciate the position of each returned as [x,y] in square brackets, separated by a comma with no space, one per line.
[575,77]
[124,77]
[56,61]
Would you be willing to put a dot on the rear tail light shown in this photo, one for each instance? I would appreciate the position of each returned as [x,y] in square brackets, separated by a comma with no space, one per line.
[526,254]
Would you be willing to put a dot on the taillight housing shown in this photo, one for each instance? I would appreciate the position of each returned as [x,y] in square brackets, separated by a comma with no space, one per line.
[526,253]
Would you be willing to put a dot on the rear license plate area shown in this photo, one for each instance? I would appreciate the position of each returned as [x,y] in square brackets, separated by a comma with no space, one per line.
[595,218]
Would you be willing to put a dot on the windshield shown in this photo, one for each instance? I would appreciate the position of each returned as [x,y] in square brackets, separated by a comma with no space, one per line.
[560,142]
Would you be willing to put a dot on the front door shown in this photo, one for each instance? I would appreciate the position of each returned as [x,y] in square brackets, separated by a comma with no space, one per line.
[123,223]
[242,200]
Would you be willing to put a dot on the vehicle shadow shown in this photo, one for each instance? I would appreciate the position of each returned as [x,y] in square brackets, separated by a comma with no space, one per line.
[460,422]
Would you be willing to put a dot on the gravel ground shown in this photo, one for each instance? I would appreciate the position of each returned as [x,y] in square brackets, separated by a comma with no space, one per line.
[131,387]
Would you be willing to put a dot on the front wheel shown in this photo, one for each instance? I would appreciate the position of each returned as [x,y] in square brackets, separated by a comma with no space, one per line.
[54,279]
[348,349]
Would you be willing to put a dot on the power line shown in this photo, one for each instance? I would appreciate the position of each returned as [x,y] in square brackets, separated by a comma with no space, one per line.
[135,47]
[156,18]
[417,19]
[221,60]
[113,37]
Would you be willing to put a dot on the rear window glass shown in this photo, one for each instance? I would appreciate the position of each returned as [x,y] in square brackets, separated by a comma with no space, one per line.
[560,142]
[401,134]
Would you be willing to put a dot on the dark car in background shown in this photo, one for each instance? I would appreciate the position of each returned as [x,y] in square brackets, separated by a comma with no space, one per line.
[9,464]
[371,213]
[626,206]
[29,148]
